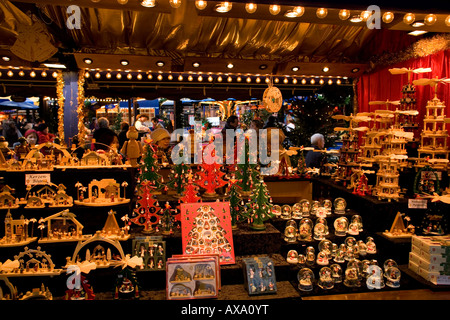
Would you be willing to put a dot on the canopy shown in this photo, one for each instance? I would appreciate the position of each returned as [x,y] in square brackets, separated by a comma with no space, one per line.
[6,104]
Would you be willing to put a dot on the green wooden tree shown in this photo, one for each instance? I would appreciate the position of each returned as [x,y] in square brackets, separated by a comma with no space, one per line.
[149,166]
[246,173]
[237,207]
[260,206]
[178,178]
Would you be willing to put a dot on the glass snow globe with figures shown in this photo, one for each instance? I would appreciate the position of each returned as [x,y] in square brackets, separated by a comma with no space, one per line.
[325,279]
[305,277]
[290,231]
[305,229]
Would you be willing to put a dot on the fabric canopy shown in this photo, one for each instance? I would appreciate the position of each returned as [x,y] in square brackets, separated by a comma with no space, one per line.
[382,85]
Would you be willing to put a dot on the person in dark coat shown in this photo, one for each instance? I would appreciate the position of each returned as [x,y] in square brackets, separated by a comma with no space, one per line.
[313,158]
[105,138]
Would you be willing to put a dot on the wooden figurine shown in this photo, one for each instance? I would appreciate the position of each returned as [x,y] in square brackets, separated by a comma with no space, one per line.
[398,229]
[132,148]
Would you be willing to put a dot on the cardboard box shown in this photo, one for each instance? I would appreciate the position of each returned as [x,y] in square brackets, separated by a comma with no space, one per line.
[434,277]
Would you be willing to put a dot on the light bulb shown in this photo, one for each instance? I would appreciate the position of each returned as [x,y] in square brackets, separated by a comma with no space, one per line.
[409,18]
[200,78]
[190,78]
[303,81]
[119,76]
[97,75]
[200,4]
[447,21]
[108,75]
[175,3]
[224,7]
[54,74]
[365,15]
[299,10]
[258,80]
[150,76]
[330,81]
[10,73]
[122,2]
[160,77]
[294,81]
[180,78]
[321,81]
[430,19]
[344,14]
[43,74]
[250,7]
[388,17]
[129,76]
[148,3]
[248,80]
[274,9]
[219,79]
[229,79]
[139,76]
[21,73]
[321,13]
[238,79]
[32,74]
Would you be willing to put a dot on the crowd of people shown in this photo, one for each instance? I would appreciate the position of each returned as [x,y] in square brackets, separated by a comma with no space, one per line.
[18,132]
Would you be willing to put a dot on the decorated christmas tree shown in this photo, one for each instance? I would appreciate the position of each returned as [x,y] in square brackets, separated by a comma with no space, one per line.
[178,178]
[167,220]
[260,206]
[210,178]
[236,203]
[149,167]
[301,164]
[190,192]
[147,208]
[247,173]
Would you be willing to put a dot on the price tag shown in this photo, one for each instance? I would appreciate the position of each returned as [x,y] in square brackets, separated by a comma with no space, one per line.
[417,204]
[37,178]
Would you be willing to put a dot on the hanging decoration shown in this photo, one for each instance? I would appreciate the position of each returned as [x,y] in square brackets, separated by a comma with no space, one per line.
[80,109]
[60,100]
[272,98]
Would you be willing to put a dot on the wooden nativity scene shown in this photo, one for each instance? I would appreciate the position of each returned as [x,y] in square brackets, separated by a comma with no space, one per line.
[105,192]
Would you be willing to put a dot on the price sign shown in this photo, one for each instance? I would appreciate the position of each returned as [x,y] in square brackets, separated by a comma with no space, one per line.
[417,204]
[37,178]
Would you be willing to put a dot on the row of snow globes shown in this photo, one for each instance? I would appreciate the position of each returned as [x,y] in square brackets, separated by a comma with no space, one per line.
[305,208]
[353,277]
[307,230]
[328,251]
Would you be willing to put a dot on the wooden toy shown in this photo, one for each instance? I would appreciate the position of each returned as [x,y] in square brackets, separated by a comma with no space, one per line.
[16,232]
[132,148]
[30,262]
[7,200]
[398,229]
[61,227]
[105,192]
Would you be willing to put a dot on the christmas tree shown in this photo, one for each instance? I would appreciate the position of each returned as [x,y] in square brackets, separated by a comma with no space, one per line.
[147,208]
[236,203]
[167,220]
[178,178]
[190,193]
[210,178]
[260,206]
[247,173]
[149,167]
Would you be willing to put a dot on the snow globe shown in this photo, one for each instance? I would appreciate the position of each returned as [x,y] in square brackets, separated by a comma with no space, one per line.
[371,247]
[296,211]
[389,263]
[339,205]
[305,230]
[364,267]
[301,259]
[292,257]
[310,256]
[362,248]
[322,259]
[340,226]
[324,222]
[305,278]
[290,231]
[325,246]
[375,277]
[336,273]
[325,280]
[334,249]
[319,231]
[358,220]
[276,210]
[327,205]
[351,277]
[350,242]
[286,212]
[321,212]
[314,206]
[349,253]
[392,275]
[305,207]
[340,254]
[353,228]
